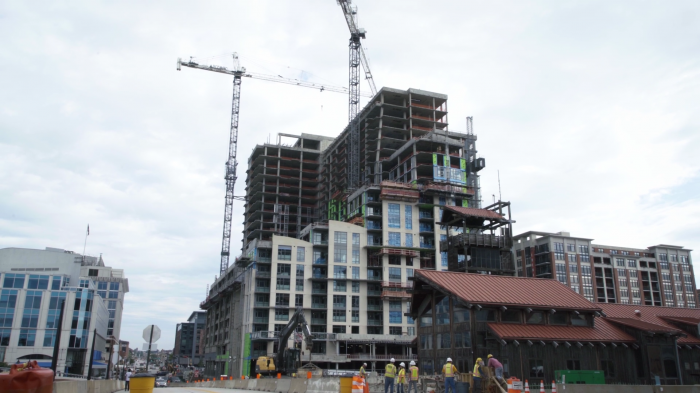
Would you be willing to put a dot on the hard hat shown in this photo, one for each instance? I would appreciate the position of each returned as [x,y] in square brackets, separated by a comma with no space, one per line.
[479,360]
[364,364]
[413,363]
[392,360]
[489,357]
[402,364]
[449,359]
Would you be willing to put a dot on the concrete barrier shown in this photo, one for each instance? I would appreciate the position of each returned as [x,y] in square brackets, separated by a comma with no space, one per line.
[283,385]
[298,385]
[573,388]
[323,385]
[84,386]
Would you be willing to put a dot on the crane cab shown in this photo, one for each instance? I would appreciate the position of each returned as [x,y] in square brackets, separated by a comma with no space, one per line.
[265,365]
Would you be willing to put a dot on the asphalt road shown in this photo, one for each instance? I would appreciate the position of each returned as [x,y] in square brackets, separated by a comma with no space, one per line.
[194,390]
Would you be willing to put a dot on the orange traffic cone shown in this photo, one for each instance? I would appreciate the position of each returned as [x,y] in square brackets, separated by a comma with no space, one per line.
[527,387]
[554,387]
[542,387]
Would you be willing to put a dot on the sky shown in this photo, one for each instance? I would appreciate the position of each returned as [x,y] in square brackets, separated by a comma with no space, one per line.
[588,110]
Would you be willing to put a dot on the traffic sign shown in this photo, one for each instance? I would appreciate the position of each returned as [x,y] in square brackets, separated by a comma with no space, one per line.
[147,333]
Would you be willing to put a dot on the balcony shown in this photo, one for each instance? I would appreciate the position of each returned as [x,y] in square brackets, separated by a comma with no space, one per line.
[318,321]
[397,284]
[426,228]
[320,291]
[425,215]
[262,289]
[264,335]
[263,259]
[374,322]
[262,274]
[396,294]
[321,261]
[374,293]
[427,245]
[374,307]
[262,304]
[367,356]
[374,225]
[261,320]
[319,306]
[340,306]
[372,278]
[322,242]
[318,275]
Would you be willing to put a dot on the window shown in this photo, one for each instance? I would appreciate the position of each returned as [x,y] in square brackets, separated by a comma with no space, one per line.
[26,338]
[486,315]
[408,217]
[93,272]
[282,299]
[535,318]
[510,316]
[38,282]
[49,338]
[340,286]
[356,248]
[395,274]
[558,319]
[663,257]
[339,315]
[570,247]
[394,215]
[395,317]
[631,263]
[573,364]
[583,249]
[340,249]
[536,368]
[394,260]
[395,239]
[284,270]
[443,258]
[282,315]
[13,281]
[283,283]
[559,256]
[355,287]
[578,320]
[113,286]
[340,272]
[355,273]
[409,240]
[301,254]
[56,283]
[338,329]
[572,258]
[443,340]
[620,262]
[284,253]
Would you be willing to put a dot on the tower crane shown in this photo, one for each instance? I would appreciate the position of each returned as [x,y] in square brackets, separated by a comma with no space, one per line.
[238,73]
[357,57]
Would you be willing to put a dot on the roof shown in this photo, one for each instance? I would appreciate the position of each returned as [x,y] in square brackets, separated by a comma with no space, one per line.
[645,326]
[508,291]
[653,315]
[684,320]
[602,332]
[474,212]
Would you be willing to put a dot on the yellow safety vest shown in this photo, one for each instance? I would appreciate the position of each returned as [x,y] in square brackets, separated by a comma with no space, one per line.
[477,374]
[402,376]
[390,371]
[362,371]
[449,370]
[414,373]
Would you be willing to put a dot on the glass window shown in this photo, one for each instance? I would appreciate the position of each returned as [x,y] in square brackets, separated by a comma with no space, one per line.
[113,286]
[486,315]
[394,215]
[511,316]
[443,340]
[340,253]
[301,254]
[578,320]
[395,239]
[356,273]
[281,314]
[282,299]
[442,312]
[409,240]
[394,274]
[56,283]
[340,286]
[340,237]
[13,281]
[535,318]
[558,319]
[355,287]
[395,317]
[460,315]
[340,272]
[284,253]
[27,338]
[408,217]
[355,239]
[38,282]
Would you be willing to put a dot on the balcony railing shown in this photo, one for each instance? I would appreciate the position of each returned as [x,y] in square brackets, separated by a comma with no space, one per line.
[262,274]
[321,261]
[319,305]
[318,321]
[261,320]
[323,291]
[425,215]
[427,245]
[262,304]
[374,307]
[374,293]
[368,356]
[374,225]
[374,322]
[262,289]
[263,335]
[320,242]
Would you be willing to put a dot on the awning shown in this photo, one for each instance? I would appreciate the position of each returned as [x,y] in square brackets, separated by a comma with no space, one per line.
[44,364]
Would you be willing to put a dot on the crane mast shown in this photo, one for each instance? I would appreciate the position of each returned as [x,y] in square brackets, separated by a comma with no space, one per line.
[238,73]
[356,58]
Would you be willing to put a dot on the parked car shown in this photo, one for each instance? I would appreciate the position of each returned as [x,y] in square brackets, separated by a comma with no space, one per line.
[161,382]
[174,379]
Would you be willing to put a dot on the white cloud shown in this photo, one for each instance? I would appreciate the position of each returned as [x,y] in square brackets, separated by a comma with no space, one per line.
[587,108]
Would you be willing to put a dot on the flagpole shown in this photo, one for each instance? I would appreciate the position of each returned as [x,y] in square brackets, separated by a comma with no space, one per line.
[85,244]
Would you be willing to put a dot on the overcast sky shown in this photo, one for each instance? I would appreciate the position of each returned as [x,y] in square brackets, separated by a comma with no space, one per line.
[589,109]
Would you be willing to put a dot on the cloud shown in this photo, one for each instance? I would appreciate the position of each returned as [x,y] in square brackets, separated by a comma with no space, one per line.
[588,109]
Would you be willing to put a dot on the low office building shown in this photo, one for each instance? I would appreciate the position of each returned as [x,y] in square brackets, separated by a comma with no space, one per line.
[660,275]
[537,326]
[34,283]
[188,336]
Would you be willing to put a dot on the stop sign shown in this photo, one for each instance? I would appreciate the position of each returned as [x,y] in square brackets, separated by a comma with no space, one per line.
[147,333]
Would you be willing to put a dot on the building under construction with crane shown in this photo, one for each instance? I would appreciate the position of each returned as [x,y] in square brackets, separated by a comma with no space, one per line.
[337,226]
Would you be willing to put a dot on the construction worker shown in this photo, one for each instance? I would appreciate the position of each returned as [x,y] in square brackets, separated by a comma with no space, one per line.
[389,375]
[493,362]
[363,373]
[413,377]
[402,377]
[478,374]
[449,370]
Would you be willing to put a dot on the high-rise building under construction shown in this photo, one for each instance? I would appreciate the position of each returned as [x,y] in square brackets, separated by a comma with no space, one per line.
[344,254]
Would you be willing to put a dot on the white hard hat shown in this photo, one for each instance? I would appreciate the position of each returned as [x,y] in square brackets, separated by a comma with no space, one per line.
[449,359]
[392,360]
[364,364]
[402,364]
[413,363]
